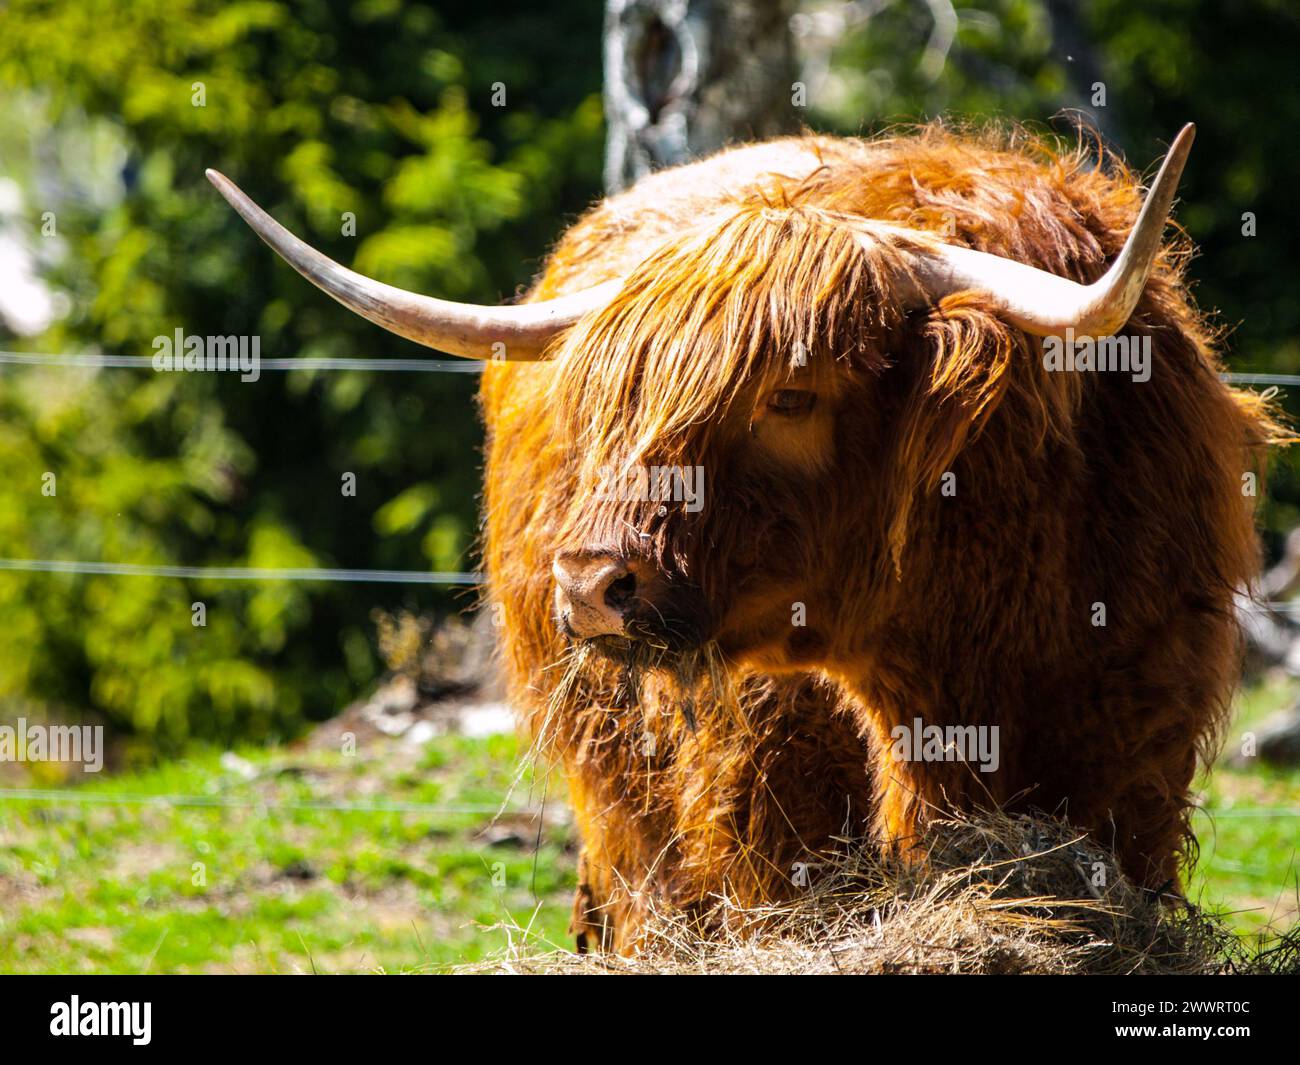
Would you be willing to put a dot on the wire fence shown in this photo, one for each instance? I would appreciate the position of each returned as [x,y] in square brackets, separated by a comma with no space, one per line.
[1279,379]
[240,573]
[381,364]
[372,576]
[89,798]
[86,798]
[400,364]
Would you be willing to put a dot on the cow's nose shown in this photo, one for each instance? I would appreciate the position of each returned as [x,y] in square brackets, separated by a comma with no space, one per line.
[593,594]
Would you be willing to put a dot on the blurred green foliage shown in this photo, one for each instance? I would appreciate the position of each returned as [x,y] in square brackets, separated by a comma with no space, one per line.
[317,108]
[385,110]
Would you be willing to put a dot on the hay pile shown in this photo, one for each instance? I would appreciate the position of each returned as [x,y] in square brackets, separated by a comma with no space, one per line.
[993,894]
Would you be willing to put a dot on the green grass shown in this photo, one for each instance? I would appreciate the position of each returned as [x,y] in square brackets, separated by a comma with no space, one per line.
[267,882]
[262,884]
[1249,863]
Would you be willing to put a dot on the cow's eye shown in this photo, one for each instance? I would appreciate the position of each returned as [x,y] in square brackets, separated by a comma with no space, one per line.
[791,401]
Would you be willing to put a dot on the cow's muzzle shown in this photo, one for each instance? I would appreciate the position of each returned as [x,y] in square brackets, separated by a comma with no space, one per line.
[595,595]
[601,594]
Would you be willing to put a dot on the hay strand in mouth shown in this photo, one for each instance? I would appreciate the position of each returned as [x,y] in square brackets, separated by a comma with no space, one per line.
[693,678]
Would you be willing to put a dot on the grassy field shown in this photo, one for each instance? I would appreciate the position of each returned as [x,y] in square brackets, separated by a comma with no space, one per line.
[275,864]
[392,859]
[1250,859]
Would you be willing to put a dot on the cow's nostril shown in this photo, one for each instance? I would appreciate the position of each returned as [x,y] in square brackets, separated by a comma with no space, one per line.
[594,594]
[621,592]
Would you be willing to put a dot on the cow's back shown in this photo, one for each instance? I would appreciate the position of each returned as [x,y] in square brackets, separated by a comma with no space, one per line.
[618,233]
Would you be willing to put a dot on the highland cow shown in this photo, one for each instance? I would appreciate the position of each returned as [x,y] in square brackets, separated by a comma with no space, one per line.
[913,515]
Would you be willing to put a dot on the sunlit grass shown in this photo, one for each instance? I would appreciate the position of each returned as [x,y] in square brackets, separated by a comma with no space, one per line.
[1249,859]
[266,884]
[262,885]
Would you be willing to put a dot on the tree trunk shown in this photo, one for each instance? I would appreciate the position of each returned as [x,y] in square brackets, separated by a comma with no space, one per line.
[686,77]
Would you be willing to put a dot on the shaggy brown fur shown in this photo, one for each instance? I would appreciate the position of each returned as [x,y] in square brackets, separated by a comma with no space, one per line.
[979,608]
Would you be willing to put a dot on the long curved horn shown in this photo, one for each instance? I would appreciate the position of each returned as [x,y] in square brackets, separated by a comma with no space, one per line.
[1034,300]
[518,332]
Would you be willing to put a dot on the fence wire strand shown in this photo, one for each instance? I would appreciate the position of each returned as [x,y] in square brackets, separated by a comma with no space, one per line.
[383,364]
[87,798]
[240,573]
[395,364]
[69,795]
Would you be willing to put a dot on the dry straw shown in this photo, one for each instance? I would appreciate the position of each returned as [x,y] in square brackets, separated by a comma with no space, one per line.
[990,894]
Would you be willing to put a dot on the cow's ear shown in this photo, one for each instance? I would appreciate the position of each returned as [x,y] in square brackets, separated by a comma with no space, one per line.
[959,359]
